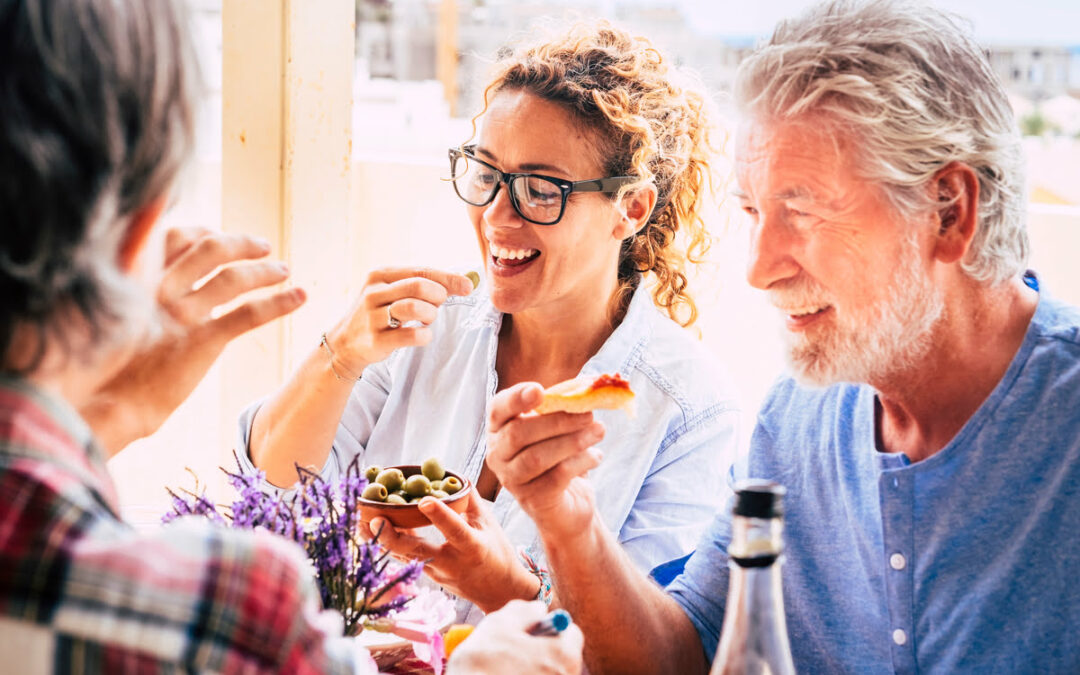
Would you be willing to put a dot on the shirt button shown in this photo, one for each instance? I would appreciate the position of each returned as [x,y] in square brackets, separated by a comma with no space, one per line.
[897,561]
[899,636]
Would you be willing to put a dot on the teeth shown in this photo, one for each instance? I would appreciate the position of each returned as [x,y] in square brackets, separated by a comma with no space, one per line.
[512,253]
[804,311]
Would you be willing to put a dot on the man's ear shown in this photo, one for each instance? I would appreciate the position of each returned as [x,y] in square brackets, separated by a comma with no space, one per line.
[637,208]
[956,190]
[138,231]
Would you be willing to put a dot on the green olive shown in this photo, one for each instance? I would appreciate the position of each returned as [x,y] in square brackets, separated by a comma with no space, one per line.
[401,493]
[418,485]
[432,469]
[436,485]
[372,472]
[393,479]
[415,500]
[474,277]
[451,484]
[396,499]
[439,494]
[376,492]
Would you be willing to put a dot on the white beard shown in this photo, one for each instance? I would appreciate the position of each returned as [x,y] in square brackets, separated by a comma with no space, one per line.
[872,343]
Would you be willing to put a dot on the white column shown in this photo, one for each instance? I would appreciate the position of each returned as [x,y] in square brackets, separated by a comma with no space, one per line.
[287,108]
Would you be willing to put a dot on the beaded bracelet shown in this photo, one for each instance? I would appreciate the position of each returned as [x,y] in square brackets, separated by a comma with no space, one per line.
[546,591]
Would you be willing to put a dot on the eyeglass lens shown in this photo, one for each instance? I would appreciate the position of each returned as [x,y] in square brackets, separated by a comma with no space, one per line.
[535,198]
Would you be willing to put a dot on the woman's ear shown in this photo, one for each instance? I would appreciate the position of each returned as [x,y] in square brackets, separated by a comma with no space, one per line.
[636,208]
[138,231]
[956,190]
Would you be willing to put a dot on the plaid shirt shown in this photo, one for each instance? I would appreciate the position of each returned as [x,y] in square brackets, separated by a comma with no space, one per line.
[80,591]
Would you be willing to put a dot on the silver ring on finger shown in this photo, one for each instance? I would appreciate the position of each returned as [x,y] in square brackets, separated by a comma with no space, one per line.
[391,322]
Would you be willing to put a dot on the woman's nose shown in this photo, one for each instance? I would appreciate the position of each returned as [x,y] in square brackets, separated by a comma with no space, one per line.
[500,212]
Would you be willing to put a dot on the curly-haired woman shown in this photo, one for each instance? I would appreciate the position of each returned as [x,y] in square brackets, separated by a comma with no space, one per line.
[584,185]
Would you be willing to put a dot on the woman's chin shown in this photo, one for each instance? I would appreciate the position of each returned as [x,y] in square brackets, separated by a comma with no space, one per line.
[509,301]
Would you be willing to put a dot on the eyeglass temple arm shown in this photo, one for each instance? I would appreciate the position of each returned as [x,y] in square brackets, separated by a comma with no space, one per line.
[602,184]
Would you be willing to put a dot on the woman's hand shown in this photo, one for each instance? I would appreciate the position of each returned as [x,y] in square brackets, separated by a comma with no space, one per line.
[502,644]
[406,294]
[542,459]
[476,561]
[164,370]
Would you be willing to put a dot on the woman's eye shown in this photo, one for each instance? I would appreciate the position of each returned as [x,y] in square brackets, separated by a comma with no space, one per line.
[543,196]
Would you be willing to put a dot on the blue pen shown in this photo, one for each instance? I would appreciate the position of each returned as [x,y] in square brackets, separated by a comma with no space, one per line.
[552,624]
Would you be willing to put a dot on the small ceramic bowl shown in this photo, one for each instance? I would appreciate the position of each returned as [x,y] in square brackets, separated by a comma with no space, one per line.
[405,516]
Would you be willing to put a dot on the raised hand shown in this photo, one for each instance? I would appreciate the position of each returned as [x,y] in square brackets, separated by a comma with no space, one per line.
[476,561]
[391,296]
[161,373]
[541,459]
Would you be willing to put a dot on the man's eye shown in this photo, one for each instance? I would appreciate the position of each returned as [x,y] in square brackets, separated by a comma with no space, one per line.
[750,210]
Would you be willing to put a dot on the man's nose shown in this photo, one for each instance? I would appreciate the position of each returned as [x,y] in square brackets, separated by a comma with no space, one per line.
[772,247]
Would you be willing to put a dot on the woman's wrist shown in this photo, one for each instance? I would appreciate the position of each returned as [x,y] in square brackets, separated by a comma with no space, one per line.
[332,344]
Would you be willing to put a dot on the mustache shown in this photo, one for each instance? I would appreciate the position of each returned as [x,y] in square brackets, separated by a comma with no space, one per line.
[794,293]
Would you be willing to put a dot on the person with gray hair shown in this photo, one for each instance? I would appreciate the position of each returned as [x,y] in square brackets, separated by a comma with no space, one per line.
[97,121]
[928,435]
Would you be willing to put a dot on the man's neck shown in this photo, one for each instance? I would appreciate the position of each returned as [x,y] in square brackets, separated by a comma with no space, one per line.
[64,369]
[922,409]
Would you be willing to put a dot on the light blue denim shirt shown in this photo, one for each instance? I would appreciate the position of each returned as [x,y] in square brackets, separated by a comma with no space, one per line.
[662,477]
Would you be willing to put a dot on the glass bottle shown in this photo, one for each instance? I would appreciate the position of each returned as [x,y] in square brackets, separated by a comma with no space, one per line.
[754,640]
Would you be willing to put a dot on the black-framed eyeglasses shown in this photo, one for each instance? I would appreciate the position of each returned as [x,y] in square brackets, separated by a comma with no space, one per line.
[538,199]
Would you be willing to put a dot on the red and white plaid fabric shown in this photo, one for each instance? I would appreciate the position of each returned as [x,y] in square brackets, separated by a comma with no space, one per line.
[81,591]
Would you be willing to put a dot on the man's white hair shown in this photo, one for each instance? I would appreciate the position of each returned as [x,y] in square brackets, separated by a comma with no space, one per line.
[915,92]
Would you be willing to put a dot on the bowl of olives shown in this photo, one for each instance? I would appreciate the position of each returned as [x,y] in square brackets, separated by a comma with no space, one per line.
[394,492]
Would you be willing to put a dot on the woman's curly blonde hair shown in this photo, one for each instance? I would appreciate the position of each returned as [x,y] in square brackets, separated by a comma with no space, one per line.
[648,121]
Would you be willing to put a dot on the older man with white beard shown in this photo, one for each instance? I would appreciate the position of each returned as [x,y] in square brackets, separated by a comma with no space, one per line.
[929,436]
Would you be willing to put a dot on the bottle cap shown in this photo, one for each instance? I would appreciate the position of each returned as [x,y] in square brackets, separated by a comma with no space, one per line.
[759,498]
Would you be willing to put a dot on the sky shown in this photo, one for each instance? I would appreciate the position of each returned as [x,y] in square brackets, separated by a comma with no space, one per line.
[999,21]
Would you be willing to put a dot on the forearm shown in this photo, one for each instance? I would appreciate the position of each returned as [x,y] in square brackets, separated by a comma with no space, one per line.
[630,624]
[298,423]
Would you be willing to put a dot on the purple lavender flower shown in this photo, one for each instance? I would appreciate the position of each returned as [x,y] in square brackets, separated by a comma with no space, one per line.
[355,577]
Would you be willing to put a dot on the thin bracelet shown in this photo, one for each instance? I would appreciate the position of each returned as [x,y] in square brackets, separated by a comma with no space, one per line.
[333,369]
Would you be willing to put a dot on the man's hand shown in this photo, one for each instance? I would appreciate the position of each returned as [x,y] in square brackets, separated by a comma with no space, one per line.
[500,644]
[542,459]
[476,562]
[163,372]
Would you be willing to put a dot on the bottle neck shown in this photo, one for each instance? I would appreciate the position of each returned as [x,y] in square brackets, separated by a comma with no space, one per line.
[756,542]
[754,638]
